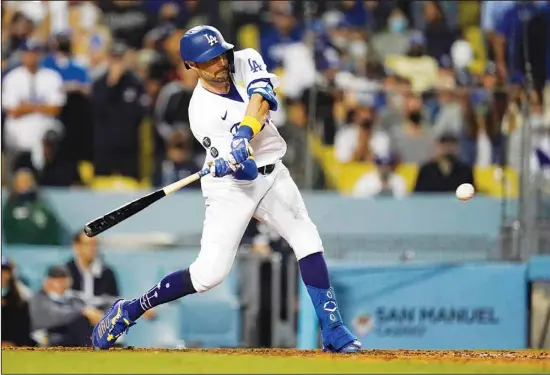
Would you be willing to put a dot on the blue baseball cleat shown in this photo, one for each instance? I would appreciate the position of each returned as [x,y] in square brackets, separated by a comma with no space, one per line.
[113,325]
[337,338]
[340,340]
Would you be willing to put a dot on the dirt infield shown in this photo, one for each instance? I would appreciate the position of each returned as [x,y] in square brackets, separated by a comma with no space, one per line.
[270,361]
[493,356]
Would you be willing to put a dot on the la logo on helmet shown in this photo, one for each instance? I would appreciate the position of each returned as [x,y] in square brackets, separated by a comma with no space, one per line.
[211,39]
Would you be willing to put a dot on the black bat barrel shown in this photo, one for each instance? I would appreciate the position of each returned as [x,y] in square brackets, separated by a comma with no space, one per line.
[101,224]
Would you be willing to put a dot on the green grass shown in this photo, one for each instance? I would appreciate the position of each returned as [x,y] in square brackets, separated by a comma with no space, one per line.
[60,362]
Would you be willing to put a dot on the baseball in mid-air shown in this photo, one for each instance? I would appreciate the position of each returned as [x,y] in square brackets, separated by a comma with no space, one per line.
[465,192]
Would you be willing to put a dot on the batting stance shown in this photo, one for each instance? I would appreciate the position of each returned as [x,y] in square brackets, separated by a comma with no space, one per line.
[229,114]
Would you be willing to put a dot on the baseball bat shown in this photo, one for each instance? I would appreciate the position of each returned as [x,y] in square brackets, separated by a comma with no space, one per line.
[101,224]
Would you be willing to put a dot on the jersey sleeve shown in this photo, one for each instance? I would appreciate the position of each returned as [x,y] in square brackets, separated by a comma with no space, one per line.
[251,68]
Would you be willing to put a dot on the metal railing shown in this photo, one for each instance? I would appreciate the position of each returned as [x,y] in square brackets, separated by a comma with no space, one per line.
[252,286]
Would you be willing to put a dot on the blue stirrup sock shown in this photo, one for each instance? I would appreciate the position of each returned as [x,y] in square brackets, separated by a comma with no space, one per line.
[313,269]
[173,286]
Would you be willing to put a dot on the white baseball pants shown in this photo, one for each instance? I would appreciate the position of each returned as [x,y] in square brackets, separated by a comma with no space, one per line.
[230,205]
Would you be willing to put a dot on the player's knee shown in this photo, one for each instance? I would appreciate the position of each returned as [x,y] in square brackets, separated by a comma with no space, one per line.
[306,242]
[207,276]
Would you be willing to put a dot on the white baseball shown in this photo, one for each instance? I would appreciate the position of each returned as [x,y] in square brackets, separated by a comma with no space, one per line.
[465,192]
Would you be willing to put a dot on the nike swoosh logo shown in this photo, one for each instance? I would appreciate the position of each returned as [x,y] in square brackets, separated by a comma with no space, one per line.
[224,116]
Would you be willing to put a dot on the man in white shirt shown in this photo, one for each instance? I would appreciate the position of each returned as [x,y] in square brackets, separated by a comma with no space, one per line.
[32,97]
[382,181]
[359,141]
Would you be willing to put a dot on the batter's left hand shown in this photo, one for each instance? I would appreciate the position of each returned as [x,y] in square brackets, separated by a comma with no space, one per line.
[240,151]
[221,167]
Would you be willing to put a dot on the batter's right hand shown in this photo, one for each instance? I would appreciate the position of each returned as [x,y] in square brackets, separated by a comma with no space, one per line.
[221,167]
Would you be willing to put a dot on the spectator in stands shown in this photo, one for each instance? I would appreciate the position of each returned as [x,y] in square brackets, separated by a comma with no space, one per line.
[379,13]
[179,162]
[32,97]
[59,170]
[128,20]
[76,115]
[482,141]
[58,317]
[392,99]
[449,113]
[395,40]
[445,172]
[449,9]
[359,141]
[509,41]
[282,30]
[439,35]
[119,104]
[383,181]
[420,68]
[93,281]
[16,324]
[15,32]
[20,280]
[171,111]
[491,16]
[414,139]
[26,215]
[98,54]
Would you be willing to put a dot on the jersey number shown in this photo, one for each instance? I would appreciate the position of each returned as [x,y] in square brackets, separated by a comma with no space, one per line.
[254,66]
[211,39]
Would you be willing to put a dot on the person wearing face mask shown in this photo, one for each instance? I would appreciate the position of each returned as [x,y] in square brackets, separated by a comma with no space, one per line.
[58,317]
[360,141]
[445,172]
[394,41]
[16,325]
[26,215]
[413,139]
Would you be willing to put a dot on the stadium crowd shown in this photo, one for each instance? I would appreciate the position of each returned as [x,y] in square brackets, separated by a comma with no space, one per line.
[95,91]
[101,82]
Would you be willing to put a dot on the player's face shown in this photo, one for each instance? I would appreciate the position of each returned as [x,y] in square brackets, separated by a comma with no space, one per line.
[215,70]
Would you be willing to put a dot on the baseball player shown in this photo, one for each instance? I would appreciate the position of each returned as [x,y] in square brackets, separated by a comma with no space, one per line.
[229,114]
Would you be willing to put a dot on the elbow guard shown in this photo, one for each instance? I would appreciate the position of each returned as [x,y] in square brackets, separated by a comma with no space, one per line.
[265,89]
[248,170]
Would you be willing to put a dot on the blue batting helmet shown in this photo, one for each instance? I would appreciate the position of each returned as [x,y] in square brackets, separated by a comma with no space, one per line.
[203,43]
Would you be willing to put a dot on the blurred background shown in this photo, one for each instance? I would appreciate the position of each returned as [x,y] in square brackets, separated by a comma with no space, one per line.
[387,106]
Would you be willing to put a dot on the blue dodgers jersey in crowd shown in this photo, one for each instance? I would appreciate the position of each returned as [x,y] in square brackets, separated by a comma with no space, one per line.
[70,70]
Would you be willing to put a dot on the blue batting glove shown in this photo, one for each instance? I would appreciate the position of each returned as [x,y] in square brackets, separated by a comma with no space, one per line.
[240,151]
[221,167]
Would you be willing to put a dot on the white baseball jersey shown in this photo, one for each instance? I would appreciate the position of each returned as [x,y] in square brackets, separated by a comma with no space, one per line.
[272,198]
[214,118]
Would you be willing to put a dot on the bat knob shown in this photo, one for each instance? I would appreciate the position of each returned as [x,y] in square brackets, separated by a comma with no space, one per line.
[88,231]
